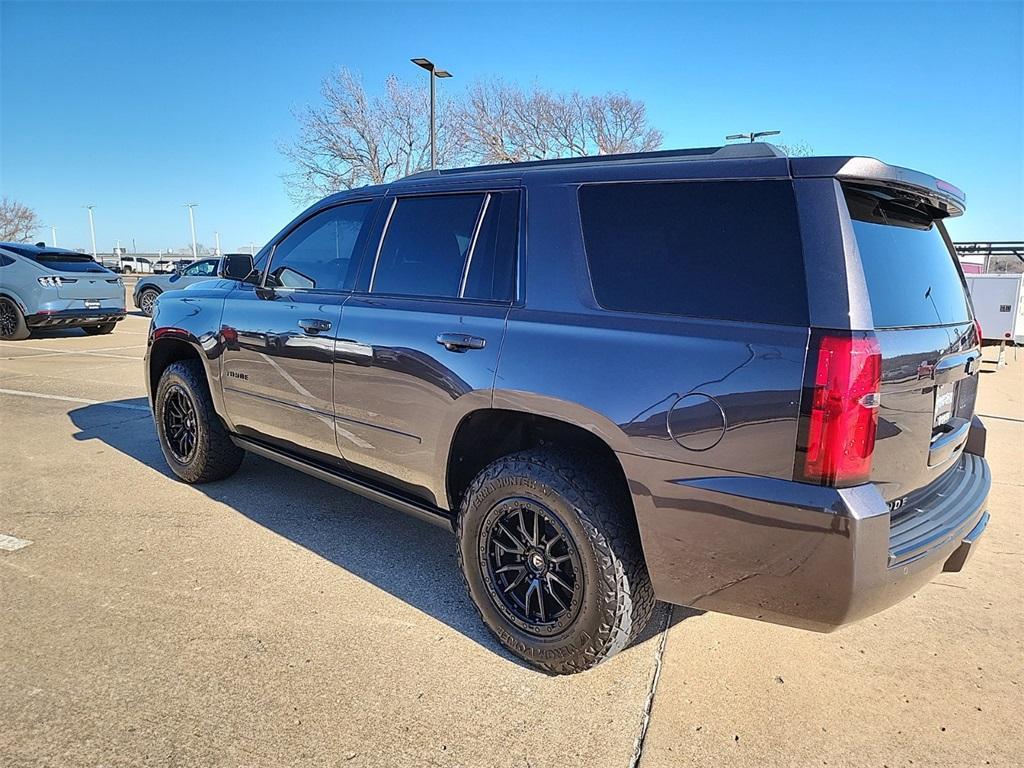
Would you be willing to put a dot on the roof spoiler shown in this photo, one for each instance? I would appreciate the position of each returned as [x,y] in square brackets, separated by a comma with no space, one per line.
[939,194]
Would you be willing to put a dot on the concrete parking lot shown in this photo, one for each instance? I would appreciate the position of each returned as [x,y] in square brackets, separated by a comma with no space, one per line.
[271,619]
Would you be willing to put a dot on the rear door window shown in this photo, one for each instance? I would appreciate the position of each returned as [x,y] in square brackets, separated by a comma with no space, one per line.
[426,244]
[724,249]
[911,274]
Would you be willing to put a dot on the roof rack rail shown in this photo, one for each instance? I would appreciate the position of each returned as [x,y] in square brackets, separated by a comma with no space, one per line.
[727,152]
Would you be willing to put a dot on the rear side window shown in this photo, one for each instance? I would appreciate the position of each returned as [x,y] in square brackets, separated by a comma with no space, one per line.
[426,245]
[318,254]
[724,249]
[911,274]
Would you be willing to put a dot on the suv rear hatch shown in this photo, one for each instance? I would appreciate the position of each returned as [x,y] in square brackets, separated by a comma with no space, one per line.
[81,278]
[929,344]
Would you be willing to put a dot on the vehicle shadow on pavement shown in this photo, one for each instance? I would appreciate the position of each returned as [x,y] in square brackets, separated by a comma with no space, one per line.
[407,558]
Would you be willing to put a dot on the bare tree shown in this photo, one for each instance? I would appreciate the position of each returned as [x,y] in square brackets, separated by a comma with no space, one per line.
[504,123]
[18,222]
[353,139]
[799,149]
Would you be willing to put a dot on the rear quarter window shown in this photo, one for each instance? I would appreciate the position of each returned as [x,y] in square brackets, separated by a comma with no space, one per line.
[727,250]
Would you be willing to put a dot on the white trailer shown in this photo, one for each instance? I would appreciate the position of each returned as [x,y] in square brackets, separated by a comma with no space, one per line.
[998,306]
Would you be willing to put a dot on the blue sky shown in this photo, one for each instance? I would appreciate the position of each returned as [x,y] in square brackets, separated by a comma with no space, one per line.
[141,107]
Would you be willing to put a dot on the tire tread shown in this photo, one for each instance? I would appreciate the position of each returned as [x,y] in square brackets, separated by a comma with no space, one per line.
[626,588]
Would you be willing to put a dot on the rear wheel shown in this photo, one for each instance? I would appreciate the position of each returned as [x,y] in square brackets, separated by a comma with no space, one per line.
[98,330]
[147,300]
[12,321]
[193,439]
[552,561]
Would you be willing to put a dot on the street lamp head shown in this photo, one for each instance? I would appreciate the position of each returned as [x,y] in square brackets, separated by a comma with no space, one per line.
[442,73]
[427,64]
[734,136]
[767,133]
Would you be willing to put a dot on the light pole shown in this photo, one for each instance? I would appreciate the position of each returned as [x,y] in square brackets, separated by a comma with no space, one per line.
[252,248]
[192,224]
[753,135]
[216,246]
[428,65]
[92,229]
[53,231]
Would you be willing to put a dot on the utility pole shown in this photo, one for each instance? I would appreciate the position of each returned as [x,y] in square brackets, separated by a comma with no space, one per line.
[216,247]
[192,224]
[53,231]
[752,136]
[428,65]
[92,229]
[252,248]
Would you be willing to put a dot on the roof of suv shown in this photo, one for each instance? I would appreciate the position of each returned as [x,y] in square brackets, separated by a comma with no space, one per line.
[943,198]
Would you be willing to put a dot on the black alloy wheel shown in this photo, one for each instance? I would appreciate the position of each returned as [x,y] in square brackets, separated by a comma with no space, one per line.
[8,318]
[12,322]
[180,424]
[533,569]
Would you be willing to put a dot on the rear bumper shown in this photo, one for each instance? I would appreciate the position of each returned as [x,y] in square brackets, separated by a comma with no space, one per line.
[796,554]
[75,317]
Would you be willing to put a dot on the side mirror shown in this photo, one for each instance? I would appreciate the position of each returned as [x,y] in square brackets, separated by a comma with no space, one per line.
[236,266]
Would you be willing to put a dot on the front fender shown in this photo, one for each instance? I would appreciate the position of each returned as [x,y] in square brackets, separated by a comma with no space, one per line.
[187,326]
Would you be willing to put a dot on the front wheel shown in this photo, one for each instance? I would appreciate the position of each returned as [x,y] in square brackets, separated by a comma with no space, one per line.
[12,321]
[99,330]
[552,561]
[193,439]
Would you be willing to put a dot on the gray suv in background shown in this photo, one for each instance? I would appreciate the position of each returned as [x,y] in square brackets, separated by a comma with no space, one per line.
[722,378]
[149,287]
[43,287]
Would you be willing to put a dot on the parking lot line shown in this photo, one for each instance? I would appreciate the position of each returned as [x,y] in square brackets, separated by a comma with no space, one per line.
[81,400]
[12,543]
[102,352]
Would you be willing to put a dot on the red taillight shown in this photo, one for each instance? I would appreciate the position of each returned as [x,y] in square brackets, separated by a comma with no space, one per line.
[840,408]
[977,329]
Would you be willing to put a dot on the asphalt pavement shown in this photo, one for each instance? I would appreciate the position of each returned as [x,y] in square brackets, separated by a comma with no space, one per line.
[272,620]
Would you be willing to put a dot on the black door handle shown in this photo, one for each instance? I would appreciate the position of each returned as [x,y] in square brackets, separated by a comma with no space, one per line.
[314,325]
[460,342]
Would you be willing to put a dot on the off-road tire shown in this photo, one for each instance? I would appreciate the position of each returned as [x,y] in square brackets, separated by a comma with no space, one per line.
[142,301]
[99,330]
[617,598]
[215,456]
[17,329]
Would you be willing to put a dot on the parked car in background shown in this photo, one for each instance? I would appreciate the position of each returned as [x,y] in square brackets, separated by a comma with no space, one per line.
[168,266]
[135,265]
[149,288]
[723,378]
[44,287]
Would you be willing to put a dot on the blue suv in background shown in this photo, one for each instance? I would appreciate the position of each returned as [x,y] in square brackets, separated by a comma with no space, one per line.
[43,287]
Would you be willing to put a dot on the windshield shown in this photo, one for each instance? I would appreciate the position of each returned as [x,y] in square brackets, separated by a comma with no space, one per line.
[911,274]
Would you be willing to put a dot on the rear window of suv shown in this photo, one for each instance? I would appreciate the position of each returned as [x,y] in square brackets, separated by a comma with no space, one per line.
[911,274]
[728,250]
[65,261]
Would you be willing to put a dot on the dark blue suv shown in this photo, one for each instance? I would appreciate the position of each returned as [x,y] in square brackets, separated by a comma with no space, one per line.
[722,378]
